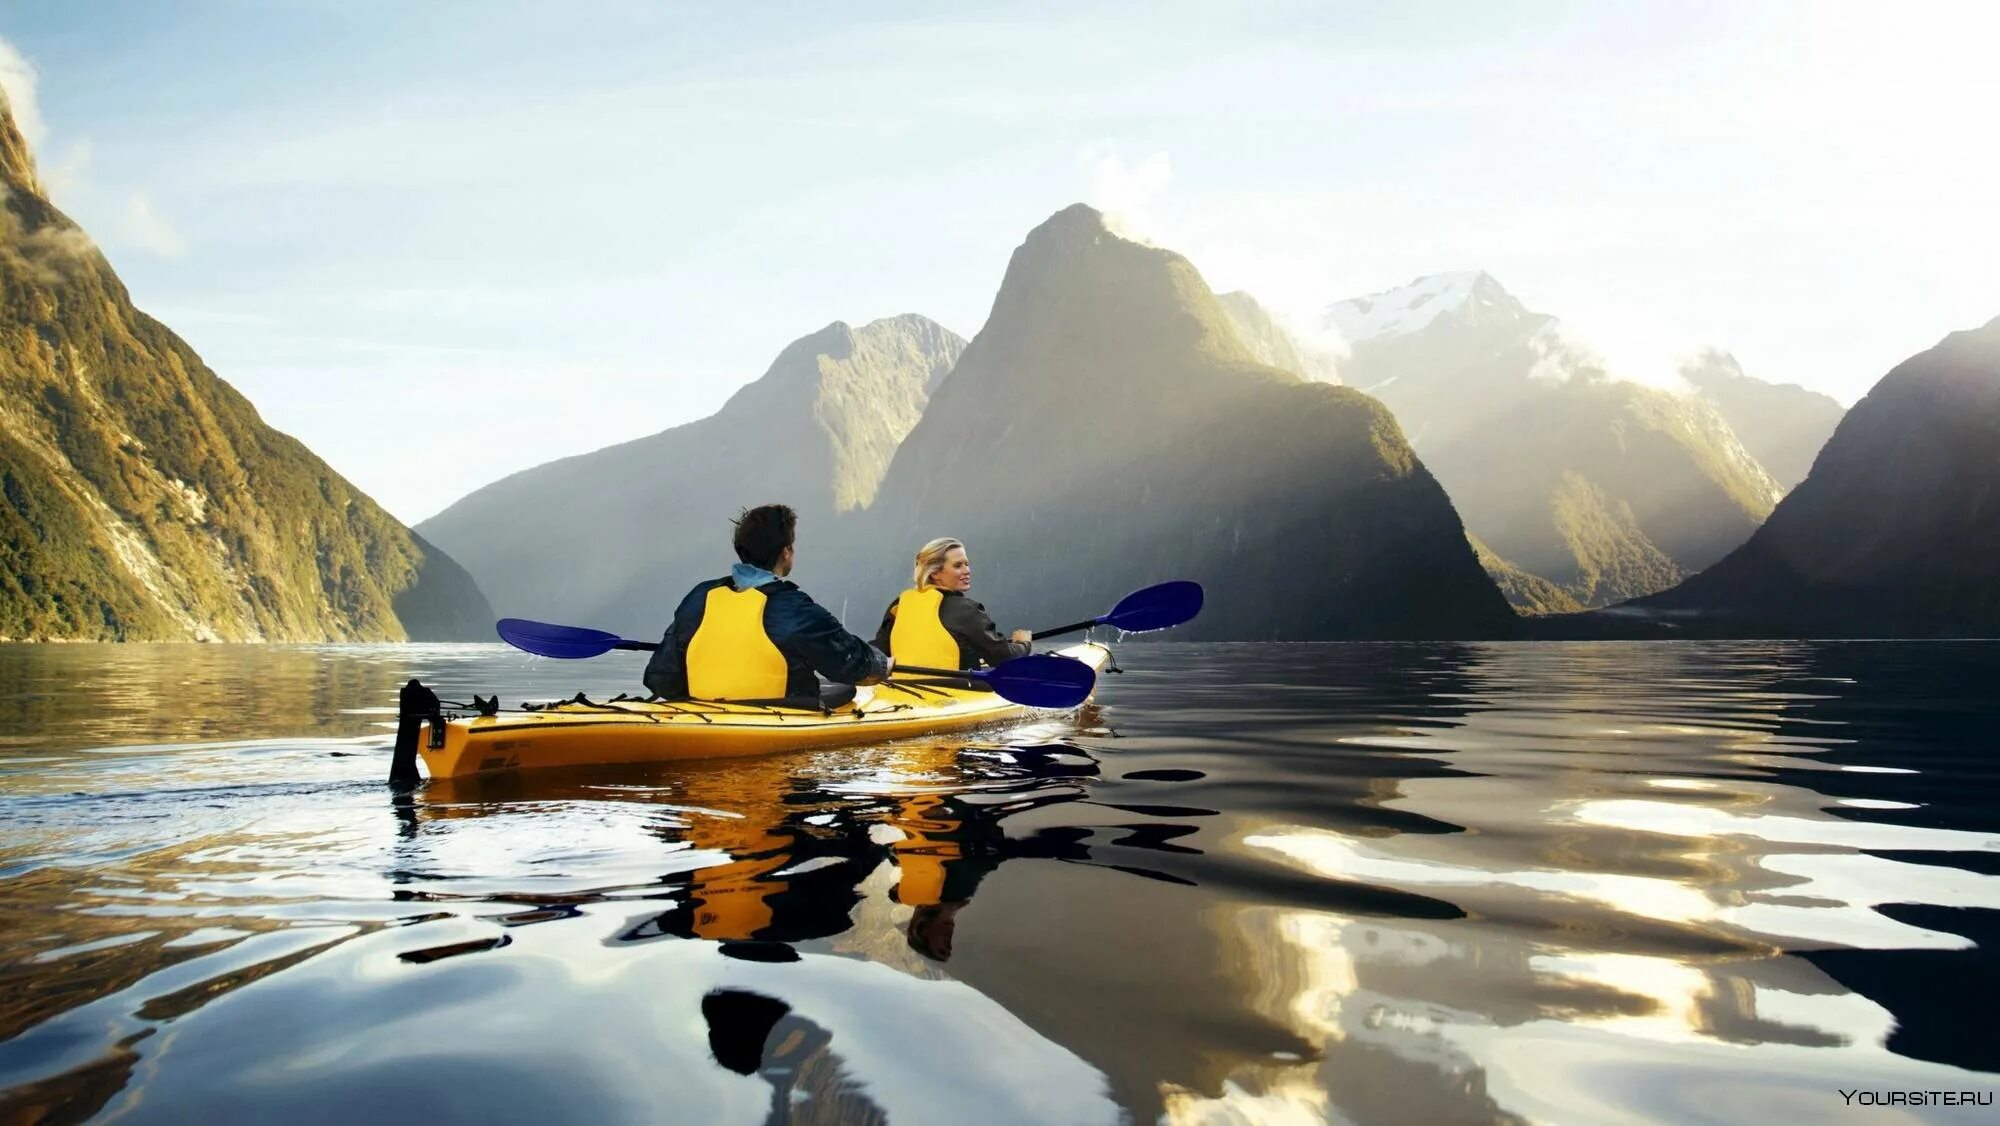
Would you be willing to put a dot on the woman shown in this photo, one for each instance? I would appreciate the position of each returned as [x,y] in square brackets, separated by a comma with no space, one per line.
[935,624]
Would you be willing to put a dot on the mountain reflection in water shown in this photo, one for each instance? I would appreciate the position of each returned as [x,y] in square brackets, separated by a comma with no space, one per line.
[1579,882]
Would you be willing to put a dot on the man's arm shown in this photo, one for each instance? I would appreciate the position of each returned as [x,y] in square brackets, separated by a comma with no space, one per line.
[807,629]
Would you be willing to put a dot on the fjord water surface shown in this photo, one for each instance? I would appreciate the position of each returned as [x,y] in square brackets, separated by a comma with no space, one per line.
[1578,882]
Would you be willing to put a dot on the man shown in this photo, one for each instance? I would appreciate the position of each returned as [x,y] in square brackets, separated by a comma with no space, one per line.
[754,636]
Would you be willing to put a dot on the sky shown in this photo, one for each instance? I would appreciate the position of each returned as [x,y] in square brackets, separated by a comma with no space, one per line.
[443,242]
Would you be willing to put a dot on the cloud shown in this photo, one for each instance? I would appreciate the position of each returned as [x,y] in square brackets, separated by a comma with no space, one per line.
[1627,348]
[46,252]
[17,81]
[1125,192]
[138,223]
[1324,347]
[1560,356]
[147,229]
[61,242]
[64,175]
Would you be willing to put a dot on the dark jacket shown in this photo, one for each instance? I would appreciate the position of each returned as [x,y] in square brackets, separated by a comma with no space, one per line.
[979,644]
[811,639]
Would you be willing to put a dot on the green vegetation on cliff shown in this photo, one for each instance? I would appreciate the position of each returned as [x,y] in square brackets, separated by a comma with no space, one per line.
[144,499]
[1528,594]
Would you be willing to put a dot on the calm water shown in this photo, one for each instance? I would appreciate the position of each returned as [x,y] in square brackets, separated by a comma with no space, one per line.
[1369,883]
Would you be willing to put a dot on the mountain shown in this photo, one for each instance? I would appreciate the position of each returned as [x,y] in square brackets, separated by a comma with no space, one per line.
[1603,488]
[1532,595]
[1109,428]
[1608,489]
[1467,299]
[1273,344]
[1894,533]
[615,537]
[1783,425]
[1444,351]
[144,499]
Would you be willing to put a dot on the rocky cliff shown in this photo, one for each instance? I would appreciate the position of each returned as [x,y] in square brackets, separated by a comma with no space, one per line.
[142,498]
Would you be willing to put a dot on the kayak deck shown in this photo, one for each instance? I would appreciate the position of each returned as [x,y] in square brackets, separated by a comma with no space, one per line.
[636,731]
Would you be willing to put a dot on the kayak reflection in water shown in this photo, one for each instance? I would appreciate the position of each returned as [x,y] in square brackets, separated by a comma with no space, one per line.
[934,623]
[795,869]
[946,849]
[755,636]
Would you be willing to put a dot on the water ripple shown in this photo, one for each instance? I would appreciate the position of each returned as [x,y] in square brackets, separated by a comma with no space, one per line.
[1572,882]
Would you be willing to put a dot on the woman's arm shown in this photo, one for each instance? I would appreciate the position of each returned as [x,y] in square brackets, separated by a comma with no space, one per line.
[969,623]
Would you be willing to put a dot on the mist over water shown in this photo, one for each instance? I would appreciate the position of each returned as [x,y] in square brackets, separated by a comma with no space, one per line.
[1444,882]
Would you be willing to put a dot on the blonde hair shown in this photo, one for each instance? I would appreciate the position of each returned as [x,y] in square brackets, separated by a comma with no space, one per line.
[930,559]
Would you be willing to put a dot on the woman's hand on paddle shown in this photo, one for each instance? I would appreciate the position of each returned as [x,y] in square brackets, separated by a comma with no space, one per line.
[1024,635]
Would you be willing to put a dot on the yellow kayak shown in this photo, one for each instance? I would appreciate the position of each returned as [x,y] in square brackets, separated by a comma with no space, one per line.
[632,731]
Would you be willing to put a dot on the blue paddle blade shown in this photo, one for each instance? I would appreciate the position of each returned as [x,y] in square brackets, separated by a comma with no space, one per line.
[1043,681]
[548,640]
[1156,607]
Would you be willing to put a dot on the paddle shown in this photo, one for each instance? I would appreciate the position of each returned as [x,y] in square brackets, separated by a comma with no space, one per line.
[1040,681]
[1156,607]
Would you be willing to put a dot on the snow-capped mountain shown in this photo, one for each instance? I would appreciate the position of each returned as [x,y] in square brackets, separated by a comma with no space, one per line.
[1469,297]
[1446,352]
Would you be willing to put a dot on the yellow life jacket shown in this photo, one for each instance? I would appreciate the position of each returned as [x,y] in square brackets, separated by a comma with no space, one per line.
[733,900]
[919,637]
[730,657]
[925,852]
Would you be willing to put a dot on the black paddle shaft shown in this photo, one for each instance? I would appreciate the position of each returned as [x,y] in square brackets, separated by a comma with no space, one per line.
[1060,630]
[649,646]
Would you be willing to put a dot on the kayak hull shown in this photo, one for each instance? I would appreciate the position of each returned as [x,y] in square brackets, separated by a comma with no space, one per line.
[639,732]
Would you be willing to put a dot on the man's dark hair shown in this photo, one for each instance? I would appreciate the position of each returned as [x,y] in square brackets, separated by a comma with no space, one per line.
[763,533]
